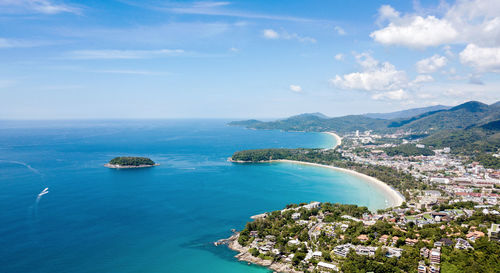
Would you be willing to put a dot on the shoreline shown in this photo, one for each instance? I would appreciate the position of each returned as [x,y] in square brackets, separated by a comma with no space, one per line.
[393,197]
[114,166]
[338,139]
[244,255]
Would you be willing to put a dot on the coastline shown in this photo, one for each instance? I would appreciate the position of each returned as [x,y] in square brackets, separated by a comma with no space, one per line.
[244,255]
[394,198]
[338,139]
[114,166]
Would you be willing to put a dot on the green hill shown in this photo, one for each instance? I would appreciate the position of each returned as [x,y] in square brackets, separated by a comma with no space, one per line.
[404,114]
[310,122]
[459,117]
[131,161]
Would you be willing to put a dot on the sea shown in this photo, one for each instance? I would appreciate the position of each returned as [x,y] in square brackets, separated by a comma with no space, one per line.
[159,219]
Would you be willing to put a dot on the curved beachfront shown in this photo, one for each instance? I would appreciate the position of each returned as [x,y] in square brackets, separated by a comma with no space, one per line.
[338,139]
[393,197]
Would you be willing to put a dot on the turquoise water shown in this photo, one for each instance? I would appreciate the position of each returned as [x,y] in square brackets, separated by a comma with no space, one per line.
[161,219]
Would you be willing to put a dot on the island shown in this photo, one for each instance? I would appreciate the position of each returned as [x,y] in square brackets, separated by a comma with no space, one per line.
[128,162]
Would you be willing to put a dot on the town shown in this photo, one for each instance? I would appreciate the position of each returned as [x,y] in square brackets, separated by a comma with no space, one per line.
[449,223]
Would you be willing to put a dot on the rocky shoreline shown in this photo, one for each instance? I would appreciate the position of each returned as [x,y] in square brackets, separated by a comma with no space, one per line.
[244,255]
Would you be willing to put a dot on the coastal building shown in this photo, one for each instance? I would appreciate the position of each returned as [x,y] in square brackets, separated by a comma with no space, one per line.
[365,250]
[296,216]
[433,269]
[424,252]
[446,242]
[394,239]
[363,238]
[435,255]
[383,239]
[342,250]
[411,242]
[312,205]
[493,232]
[327,266]
[393,252]
[421,267]
[462,244]
[474,235]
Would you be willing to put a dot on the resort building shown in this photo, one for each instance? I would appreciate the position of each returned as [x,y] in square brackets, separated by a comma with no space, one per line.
[327,266]
[435,255]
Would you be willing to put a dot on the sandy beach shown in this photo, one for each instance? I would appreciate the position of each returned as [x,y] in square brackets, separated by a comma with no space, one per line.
[393,197]
[338,139]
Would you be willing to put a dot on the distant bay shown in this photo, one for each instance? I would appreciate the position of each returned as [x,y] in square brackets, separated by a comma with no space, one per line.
[161,219]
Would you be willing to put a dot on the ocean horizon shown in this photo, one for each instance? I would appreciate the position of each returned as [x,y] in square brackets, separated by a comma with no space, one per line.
[160,219]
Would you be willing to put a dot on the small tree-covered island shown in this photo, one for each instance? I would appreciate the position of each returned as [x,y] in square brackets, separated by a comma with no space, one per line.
[126,162]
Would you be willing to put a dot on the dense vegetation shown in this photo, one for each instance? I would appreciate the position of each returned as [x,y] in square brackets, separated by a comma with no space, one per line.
[393,177]
[280,228]
[311,122]
[408,150]
[471,129]
[459,117]
[478,142]
[307,155]
[131,161]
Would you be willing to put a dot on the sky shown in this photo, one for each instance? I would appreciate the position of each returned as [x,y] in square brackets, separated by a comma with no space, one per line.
[95,59]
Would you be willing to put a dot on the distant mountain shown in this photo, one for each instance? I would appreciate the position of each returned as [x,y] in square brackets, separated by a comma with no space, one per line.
[307,115]
[462,116]
[308,122]
[496,104]
[459,117]
[483,138]
[407,113]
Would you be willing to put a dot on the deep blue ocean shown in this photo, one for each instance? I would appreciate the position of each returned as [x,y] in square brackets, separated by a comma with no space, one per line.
[160,219]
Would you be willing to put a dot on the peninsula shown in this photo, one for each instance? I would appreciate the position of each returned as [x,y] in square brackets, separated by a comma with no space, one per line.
[128,162]
[446,165]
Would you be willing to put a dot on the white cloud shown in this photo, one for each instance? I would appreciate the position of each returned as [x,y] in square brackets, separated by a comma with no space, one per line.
[14,43]
[274,35]
[447,51]
[234,49]
[416,32]
[422,79]
[374,77]
[270,34]
[295,88]
[387,12]
[122,54]
[381,79]
[217,8]
[340,31]
[432,64]
[483,59]
[391,95]
[339,57]
[465,22]
[36,6]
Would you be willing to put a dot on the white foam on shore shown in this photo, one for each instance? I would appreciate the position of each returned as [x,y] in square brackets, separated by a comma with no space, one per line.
[394,198]
[338,139]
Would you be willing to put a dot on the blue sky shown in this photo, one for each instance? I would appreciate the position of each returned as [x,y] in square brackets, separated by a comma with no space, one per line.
[63,59]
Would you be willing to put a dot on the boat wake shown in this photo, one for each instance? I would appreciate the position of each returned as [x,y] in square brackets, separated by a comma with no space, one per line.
[44,192]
